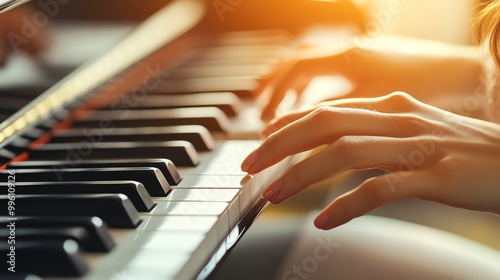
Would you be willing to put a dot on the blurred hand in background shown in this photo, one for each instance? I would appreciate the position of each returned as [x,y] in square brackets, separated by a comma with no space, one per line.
[376,66]
[21,30]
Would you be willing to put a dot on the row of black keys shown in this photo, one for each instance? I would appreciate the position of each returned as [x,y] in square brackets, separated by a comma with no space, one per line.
[53,197]
[138,126]
[58,210]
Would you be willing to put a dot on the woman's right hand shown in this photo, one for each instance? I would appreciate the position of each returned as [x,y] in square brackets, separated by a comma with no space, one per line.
[376,66]
[426,152]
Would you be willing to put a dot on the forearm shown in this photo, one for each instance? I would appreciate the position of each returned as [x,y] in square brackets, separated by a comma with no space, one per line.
[452,81]
[440,74]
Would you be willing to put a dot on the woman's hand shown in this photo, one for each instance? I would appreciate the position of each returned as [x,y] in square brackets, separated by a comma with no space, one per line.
[428,153]
[16,36]
[379,65]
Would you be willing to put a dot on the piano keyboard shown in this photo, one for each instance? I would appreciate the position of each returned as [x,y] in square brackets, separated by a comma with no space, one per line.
[140,183]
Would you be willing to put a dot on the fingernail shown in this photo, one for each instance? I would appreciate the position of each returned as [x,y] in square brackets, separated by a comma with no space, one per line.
[273,190]
[322,221]
[249,161]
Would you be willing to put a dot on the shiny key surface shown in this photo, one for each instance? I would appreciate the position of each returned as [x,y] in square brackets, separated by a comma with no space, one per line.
[97,230]
[207,194]
[166,166]
[115,209]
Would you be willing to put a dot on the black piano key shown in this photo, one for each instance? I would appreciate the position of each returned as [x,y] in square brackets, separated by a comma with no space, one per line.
[6,155]
[227,102]
[212,118]
[197,135]
[152,178]
[48,258]
[77,234]
[237,52]
[214,69]
[182,153]
[99,238]
[243,87]
[48,123]
[33,133]
[18,144]
[167,167]
[115,209]
[135,191]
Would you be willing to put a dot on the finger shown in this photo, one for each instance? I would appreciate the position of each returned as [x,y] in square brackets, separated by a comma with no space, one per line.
[396,102]
[371,194]
[311,63]
[278,71]
[278,123]
[288,80]
[350,153]
[324,126]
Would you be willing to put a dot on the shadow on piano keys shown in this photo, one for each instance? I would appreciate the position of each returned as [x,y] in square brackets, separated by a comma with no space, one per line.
[138,141]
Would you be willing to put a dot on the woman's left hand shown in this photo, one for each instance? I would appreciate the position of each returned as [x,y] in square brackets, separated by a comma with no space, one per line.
[428,153]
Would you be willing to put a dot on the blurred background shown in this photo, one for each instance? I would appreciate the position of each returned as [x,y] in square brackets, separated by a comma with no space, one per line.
[444,20]
[84,29]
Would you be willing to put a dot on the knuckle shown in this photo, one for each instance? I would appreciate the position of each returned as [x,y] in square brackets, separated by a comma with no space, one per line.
[323,116]
[346,146]
[401,96]
[377,190]
[402,99]
[447,167]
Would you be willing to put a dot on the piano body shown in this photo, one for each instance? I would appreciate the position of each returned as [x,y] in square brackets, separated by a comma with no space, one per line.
[128,168]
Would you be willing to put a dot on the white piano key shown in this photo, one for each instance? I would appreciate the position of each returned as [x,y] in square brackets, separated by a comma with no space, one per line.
[219,209]
[241,146]
[190,208]
[210,226]
[246,197]
[209,181]
[222,182]
[177,223]
[154,264]
[185,242]
[215,167]
[226,159]
[209,194]
[230,196]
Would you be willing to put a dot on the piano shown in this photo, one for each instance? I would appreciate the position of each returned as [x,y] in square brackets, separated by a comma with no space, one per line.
[128,167]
